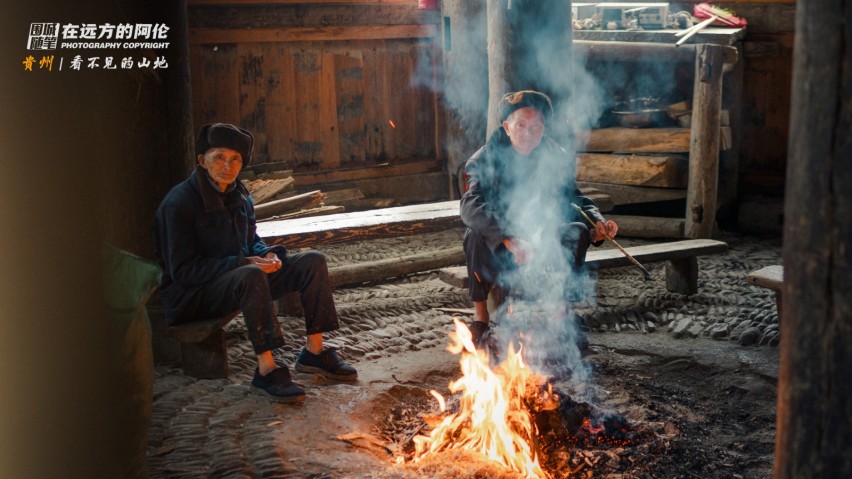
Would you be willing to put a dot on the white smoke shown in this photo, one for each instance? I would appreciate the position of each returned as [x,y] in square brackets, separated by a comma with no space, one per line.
[535,207]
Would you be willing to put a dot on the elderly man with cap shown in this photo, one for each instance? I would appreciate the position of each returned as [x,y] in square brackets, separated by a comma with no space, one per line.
[214,263]
[501,177]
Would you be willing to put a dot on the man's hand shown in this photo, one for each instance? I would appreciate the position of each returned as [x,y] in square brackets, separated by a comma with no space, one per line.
[602,229]
[269,263]
[521,250]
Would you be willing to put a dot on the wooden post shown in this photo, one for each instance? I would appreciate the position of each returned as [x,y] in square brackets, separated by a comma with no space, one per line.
[704,142]
[466,76]
[500,62]
[814,424]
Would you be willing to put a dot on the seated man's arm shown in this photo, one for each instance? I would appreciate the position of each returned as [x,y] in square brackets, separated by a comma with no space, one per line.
[182,253]
[601,224]
[256,246]
[476,213]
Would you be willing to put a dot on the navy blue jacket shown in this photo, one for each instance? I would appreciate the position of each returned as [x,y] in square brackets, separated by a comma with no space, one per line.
[200,234]
[496,173]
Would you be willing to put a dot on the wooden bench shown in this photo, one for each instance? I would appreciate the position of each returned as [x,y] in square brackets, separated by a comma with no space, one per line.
[203,351]
[199,346]
[681,259]
[770,277]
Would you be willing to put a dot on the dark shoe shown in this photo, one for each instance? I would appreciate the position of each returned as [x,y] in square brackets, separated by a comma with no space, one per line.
[484,339]
[325,364]
[277,385]
[480,332]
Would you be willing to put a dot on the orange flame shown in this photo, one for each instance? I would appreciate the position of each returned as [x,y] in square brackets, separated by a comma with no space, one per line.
[392,124]
[493,419]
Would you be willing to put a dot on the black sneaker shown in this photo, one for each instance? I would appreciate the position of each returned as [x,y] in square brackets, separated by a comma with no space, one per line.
[277,385]
[325,364]
[480,332]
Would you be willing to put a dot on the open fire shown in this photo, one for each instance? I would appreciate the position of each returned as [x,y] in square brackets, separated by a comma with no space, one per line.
[494,417]
[513,416]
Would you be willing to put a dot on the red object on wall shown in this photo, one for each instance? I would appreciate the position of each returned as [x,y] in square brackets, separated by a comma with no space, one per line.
[427,4]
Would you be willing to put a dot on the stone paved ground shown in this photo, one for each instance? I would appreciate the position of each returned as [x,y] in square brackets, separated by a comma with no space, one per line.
[395,334]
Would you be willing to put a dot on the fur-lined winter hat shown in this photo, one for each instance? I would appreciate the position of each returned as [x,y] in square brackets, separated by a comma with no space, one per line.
[524,98]
[225,135]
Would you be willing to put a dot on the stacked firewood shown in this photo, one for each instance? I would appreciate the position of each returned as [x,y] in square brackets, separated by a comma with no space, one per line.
[275,197]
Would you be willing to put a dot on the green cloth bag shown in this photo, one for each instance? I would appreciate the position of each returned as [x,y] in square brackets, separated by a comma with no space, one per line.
[129,281]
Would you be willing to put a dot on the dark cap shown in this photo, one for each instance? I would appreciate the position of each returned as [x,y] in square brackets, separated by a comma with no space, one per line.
[524,98]
[225,135]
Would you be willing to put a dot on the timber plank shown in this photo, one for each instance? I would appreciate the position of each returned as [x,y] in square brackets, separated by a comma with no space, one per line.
[613,258]
[636,170]
[342,227]
[264,190]
[220,85]
[252,98]
[280,99]
[638,140]
[649,226]
[379,171]
[308,147]
[770,277]
[653,253]
[628,195]
[647,51]
[375,109]
[349,84]
[329,131]
[385,268]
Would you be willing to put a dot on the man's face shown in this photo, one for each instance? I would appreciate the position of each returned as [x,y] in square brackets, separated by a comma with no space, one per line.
[222,165]
[525,126]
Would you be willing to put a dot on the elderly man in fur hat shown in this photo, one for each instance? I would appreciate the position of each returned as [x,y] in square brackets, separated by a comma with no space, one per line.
[214,263]
[518,181]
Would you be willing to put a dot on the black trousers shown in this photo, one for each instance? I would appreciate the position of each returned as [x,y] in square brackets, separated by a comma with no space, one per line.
[484,266]
[249,289]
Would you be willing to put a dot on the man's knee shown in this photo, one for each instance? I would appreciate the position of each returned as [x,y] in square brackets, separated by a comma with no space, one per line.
[314,261]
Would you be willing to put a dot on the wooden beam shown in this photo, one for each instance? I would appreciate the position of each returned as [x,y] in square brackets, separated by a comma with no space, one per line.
[644,51]
[637,170]
[628,195]
[648,226]
[310,34]
[285,205]
[637,140]
[704,141]
[501,72]
[386,268]
[343,227]
[352,174]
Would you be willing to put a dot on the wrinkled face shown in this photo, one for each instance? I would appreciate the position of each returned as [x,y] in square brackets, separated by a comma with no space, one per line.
[525,126]
[222,165]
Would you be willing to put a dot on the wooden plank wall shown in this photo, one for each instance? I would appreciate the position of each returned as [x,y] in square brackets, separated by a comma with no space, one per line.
[323,86]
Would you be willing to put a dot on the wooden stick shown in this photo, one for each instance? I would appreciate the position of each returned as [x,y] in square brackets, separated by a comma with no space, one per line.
[696,29]
[645,272]
[701,24]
